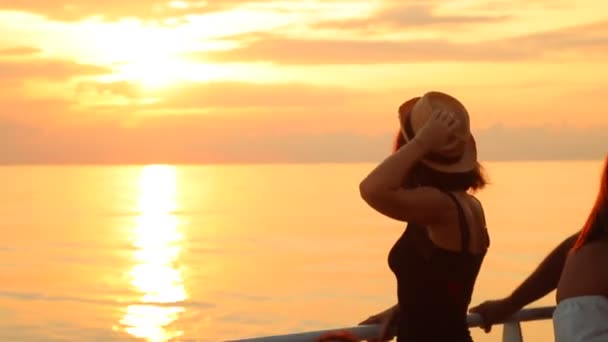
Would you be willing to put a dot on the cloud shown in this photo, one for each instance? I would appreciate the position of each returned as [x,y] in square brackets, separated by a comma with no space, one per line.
[505,5]
[184,140]
[542,142]
[19,51]
[240,122]
[49,69]
[121,88]
[40,89]
[407,16]
[288,107]
[75,10]
[314,52]
[35,108]
[577,41]
[235,122]
[246,95]
[287,103]
[203,139]
[579,38]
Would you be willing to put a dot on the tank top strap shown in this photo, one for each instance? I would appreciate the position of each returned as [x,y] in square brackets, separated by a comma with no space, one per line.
[462,223]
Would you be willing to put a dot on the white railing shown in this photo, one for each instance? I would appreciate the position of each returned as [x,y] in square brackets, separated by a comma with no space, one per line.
[511,330]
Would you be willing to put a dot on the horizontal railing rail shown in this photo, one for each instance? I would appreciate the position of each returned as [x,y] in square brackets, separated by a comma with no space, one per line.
[511,331]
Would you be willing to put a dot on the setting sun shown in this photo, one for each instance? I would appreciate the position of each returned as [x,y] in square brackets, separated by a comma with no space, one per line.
[153,71]
[147,55]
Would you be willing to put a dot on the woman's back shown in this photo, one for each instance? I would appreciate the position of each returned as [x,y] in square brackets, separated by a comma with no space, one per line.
[585,272]
[435,279]
[473,221]
[582,296]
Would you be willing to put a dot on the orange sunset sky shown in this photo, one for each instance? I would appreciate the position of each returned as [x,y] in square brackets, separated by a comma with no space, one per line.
[142,81]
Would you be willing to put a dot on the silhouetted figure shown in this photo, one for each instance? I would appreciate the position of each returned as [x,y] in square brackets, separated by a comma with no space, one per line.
[426,182]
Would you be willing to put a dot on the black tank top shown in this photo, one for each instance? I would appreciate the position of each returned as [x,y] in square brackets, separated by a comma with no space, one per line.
[434,285]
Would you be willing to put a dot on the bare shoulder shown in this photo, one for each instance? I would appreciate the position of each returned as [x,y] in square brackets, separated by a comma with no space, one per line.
[585,272]
[478,224]
[477,208]
[423,205]
[594,251]
[589,259]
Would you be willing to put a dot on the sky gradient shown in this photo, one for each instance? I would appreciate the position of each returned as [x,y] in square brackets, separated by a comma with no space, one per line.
[148,81]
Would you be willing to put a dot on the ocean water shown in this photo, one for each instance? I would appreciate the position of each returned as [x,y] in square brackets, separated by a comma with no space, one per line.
[209,253]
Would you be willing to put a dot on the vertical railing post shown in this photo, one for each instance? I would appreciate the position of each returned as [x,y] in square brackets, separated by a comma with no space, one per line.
[511,332]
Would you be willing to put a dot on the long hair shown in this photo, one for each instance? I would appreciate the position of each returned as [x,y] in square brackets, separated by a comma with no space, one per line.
[596,226]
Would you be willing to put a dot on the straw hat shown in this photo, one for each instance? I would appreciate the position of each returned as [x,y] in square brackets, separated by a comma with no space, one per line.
[460,153]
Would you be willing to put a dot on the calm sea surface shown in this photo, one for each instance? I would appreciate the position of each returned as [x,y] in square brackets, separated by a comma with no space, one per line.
[208,253]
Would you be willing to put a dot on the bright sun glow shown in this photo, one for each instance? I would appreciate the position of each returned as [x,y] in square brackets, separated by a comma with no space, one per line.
[154,65]
[148,55]
[157,246]
[154,72]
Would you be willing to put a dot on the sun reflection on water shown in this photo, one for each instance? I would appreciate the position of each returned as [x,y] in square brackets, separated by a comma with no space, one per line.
[155,276]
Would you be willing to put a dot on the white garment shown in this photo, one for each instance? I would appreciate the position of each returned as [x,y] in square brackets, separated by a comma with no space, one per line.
[581,319]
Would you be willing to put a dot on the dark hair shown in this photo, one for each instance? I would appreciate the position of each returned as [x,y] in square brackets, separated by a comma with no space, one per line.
[596,226]
[422,175]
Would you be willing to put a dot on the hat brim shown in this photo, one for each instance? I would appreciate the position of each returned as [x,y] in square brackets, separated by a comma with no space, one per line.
[467,163]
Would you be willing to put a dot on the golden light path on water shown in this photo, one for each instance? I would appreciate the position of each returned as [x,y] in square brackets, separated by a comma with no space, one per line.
[155,275]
